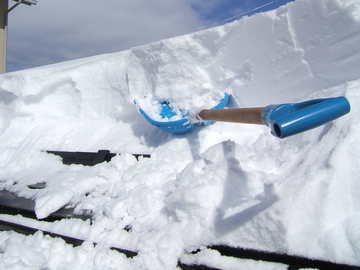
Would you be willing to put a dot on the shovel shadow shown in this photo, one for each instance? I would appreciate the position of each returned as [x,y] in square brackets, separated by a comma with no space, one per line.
[236,195]
[224,226]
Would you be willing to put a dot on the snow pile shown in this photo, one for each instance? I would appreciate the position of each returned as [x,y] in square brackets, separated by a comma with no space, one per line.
[221,184]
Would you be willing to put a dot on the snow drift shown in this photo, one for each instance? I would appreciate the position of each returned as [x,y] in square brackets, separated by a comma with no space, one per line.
[221,184]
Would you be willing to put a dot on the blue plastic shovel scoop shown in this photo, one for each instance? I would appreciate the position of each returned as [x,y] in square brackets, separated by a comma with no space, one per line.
[182,125]
[284,120]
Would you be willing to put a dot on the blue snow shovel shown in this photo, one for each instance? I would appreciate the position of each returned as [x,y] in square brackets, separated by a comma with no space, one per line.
[284,120]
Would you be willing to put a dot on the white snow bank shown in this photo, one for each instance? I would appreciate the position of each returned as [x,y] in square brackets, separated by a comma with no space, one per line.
[225,183]
[280,56]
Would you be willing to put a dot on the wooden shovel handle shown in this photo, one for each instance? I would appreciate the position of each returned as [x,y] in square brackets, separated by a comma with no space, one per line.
[239,115]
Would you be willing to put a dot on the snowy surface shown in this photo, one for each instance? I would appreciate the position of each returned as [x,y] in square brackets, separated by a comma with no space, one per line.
[221,184]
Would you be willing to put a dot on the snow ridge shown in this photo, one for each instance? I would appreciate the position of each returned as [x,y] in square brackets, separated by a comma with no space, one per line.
[221,184]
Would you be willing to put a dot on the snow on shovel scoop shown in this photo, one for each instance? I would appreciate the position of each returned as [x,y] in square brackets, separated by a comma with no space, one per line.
[283,119]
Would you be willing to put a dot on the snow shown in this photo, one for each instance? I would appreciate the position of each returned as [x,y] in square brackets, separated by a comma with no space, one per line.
[225,183]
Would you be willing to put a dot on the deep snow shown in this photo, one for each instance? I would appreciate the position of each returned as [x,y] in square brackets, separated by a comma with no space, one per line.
[221,184]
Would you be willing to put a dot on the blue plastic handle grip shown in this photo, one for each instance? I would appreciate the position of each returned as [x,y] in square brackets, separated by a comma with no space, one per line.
[289,119]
